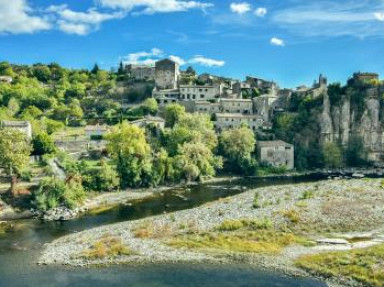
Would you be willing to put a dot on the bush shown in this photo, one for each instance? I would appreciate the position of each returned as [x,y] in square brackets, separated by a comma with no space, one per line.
[103,179]
[53,193]
[43,144]
[256,204]
[230,225]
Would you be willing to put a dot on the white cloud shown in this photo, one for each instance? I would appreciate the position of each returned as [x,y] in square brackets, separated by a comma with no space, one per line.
[332,19]
[154,6]
[178,60]
[240,8]
[144,58]
[277,42]
[379,16]
[261,12]
[17,17]
[72,28]
[151,57]
[203,61]
[81,23]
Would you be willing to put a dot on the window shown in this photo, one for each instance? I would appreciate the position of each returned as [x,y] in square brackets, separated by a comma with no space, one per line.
[194,96]
[202,96]
[200,90]
[206,90]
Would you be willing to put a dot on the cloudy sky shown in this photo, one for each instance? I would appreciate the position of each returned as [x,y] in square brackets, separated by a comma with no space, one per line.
[289,41]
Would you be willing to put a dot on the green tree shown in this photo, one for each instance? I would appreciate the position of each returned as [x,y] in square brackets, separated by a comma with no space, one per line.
[150,106]
[14,153]
[162,168]
[196,161]
[42,73]
[43,144]
[95,69]
[53,193]
[193,128]
[120,71]
[173,113]
[101,179]
[237,146]
[332,153]
[128,145]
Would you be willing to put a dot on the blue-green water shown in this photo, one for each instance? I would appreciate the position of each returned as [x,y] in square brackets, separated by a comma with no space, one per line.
[19,249]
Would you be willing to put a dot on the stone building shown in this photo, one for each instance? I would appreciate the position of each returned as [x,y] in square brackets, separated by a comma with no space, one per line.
[164,97]
[194,92]
[276,153]
[362,78]
[226,121]
[157,122]
[239,106]
[264,86]
[23,126]
[6,79]
[318,88]
[263,106]
[167,73]
[141,72]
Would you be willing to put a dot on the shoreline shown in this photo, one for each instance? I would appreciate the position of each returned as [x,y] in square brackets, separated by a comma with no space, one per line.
[109,200]
[147,250]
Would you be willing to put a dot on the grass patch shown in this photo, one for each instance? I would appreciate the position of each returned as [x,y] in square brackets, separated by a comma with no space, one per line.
[150,230]
[262,241]
[243,235]
[106,247]
[231,224]
[308,194]
[256,201]
[363,265]
[291,215]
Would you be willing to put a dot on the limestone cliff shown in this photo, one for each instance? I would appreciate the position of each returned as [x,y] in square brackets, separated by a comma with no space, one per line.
[340,121]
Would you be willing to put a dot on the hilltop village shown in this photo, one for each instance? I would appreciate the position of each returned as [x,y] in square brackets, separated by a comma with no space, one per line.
[258,103]
[145,126]
[143,137]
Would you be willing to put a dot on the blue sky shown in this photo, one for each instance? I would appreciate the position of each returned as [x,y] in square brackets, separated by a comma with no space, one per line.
[289,41]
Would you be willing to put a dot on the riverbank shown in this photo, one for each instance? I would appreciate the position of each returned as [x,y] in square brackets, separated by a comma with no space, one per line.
[105,201]
[311,217]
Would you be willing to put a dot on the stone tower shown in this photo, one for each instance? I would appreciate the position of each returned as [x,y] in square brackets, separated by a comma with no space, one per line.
[167,74]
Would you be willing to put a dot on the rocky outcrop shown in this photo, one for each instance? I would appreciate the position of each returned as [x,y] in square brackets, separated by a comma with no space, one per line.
[338,122]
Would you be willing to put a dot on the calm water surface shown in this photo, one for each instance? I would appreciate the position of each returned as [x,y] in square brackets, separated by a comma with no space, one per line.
[20,248]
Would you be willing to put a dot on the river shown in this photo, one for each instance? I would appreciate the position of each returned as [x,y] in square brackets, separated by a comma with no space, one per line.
[21,247]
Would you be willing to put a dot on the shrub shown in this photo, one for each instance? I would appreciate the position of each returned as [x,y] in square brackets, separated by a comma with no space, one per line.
[53,193]
[106,247]
[230,225]
[256,204]
[292,215]
[307,194]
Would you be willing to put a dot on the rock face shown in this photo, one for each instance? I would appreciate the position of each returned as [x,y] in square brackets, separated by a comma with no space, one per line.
[339,122]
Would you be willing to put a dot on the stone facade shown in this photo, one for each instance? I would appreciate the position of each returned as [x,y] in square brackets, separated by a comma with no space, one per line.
[264,87]
[226,121]
[276,153]
[23,126]
[239,106]
[167,73]
[141,72]
[6,79]
[194,92]
[263,106]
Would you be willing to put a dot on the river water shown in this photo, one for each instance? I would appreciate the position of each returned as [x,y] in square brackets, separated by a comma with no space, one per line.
[20,248]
